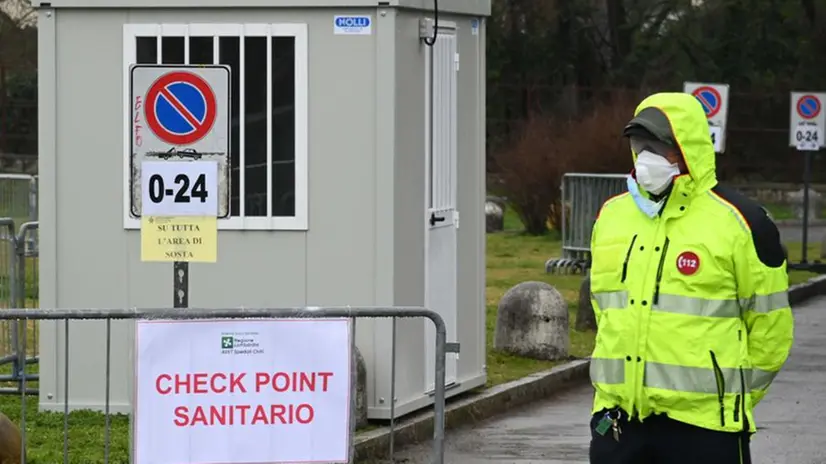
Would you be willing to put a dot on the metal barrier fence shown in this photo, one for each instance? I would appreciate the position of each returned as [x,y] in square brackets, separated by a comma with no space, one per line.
[582,196]
[19,282]
[113,439]
[18,197]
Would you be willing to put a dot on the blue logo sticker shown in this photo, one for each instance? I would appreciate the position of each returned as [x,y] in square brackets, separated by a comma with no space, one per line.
[352,25]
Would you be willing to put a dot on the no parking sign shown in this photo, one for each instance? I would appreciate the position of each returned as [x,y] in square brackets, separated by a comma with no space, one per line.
[180,115]
[808,121]
[714,100]
[180,108]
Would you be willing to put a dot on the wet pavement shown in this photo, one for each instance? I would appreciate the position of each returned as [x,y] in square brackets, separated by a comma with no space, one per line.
[556,431]
[791,416]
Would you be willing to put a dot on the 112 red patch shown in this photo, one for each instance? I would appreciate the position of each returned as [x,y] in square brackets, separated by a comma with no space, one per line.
[688,263]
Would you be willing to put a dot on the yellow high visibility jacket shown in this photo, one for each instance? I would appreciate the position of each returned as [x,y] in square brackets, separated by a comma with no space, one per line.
[692,306]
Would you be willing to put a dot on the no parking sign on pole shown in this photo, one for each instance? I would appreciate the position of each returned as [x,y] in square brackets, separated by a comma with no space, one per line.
[807,129]
[806,133]
[714,99]
[179,114]
[179,137]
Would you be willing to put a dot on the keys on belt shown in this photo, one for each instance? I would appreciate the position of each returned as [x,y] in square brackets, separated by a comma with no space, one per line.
[610,421]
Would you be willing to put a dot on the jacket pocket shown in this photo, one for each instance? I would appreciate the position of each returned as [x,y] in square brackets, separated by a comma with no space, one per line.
[737,408]
[740,404]
[627,258]
[721,388]
[660,271]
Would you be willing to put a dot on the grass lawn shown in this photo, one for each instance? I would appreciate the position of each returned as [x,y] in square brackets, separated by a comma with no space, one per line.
[30,289]
[780,212]
[795,249]
[511,258]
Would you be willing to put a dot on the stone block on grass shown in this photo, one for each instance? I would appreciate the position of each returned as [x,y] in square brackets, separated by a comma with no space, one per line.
[532,321]
[11,444]
[585,317]
[494,217]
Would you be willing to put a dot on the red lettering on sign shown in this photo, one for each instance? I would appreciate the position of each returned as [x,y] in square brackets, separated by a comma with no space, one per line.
[162,390]
[200,383]
[244,414]
[293,381]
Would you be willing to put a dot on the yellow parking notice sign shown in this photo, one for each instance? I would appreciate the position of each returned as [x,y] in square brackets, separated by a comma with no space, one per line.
[181,238]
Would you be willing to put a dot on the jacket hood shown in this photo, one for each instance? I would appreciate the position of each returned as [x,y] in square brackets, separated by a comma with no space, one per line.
[688,130]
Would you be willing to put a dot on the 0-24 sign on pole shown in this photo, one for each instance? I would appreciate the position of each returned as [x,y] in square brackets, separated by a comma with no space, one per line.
[180,115]
[807,137]
[807,121]
[179,141]
[179,188]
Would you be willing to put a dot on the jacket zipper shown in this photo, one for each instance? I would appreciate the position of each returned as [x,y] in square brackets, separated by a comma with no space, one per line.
[627,258]
[660,271]
[721,388]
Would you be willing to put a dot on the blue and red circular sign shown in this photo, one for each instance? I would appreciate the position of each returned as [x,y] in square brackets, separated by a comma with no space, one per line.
[808,106]
[180,108]
[710,98]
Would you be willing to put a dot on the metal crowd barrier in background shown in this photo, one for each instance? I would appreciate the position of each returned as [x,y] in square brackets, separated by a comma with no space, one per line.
[19,288]
[582,196]
[18,197]
[23,316]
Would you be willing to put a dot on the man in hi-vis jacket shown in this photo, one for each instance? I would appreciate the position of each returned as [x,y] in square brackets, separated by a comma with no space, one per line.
[690,291]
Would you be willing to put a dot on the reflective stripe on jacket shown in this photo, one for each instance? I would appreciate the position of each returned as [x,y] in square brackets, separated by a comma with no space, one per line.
[692,306]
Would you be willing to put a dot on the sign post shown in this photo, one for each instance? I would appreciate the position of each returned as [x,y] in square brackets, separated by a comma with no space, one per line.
[806,133]
[180,166]
[714,98]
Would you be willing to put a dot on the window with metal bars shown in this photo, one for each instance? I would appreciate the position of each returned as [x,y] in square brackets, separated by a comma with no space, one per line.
[268,114]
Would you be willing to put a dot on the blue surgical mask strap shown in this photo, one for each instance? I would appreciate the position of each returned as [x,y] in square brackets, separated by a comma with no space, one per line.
[649,207]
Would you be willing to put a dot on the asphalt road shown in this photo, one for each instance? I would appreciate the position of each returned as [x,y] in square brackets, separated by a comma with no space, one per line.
[791,416]
[556,431]
[795,234]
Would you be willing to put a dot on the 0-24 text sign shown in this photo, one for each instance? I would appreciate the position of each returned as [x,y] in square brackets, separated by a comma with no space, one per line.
[179,188]
[807,136]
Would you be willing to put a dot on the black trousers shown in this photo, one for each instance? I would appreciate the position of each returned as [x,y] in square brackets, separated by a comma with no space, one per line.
[660,440]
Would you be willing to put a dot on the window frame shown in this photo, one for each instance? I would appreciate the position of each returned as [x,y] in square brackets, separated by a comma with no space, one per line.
[298,32]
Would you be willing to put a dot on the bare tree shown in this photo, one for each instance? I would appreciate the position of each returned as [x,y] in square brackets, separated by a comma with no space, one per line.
[19,11]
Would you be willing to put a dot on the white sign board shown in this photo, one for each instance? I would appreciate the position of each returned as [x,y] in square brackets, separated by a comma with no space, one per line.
[714,99]
[179,188]
[807,121]
[179,113]
[235,391]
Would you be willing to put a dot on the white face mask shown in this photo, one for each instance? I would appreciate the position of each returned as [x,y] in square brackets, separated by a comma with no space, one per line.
[654,172]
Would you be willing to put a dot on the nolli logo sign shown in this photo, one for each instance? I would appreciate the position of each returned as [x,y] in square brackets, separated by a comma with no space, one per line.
[352,25]
[688,263]
[227,342]
[352,21]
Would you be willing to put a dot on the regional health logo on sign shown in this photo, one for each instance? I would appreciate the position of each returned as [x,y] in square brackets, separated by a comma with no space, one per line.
[352,25]
[242,343]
